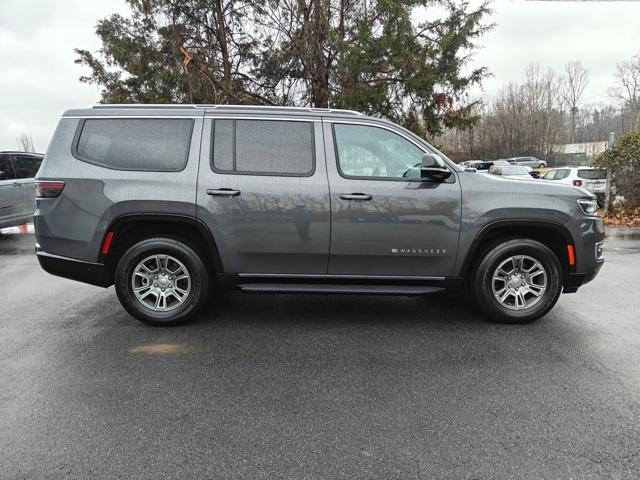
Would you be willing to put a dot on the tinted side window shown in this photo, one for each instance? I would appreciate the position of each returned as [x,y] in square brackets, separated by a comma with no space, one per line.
[560,174]
[268,147]
[377,153]
[6,169]
[26,167]
[158,144]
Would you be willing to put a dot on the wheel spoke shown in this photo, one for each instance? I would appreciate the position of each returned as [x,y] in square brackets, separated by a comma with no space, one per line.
[514,278]
[146,294]
[157,294]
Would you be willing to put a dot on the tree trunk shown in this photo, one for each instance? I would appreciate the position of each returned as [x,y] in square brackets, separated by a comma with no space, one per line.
[221,33]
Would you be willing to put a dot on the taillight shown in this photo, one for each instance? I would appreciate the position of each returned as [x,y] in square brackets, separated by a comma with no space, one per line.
[577,183]
[47,189]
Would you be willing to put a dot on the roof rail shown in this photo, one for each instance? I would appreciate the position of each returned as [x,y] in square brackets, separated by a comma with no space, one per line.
[222,107]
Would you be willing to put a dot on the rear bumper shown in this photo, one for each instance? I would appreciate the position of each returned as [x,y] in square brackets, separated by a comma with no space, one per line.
[86,272]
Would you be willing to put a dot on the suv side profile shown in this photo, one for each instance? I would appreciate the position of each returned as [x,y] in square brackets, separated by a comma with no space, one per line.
[17,187]
[173,203]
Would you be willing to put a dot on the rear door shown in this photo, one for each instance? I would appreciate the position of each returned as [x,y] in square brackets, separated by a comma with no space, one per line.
[26,167]
[263,193]
[10,191]
[386,221]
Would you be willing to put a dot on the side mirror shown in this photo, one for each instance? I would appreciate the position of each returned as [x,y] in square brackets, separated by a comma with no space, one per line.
[433,168]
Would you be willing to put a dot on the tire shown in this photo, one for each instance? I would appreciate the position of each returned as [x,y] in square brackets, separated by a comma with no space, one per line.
[542,165]
[174,256]
[514,308]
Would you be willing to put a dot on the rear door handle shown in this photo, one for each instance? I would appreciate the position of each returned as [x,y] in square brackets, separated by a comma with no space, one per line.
[223,192]
[16,184]
[356,196]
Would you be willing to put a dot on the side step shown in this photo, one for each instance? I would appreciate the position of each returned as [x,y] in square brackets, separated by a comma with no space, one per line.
[336,289]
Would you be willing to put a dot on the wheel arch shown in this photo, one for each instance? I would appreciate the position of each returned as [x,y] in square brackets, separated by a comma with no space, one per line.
[128,229]
[552,234]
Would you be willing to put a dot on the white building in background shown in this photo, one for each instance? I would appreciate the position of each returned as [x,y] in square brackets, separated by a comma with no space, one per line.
[589,149]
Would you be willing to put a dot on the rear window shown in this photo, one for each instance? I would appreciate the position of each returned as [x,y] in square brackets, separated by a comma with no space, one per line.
[593,174]
[263,147]
[158,144]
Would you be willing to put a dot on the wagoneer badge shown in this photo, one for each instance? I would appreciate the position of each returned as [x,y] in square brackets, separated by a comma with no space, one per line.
[419,251]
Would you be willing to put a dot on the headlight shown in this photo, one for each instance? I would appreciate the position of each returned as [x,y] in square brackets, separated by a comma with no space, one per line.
[589,207]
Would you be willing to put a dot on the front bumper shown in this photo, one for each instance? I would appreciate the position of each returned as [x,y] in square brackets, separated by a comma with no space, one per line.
[589,258]
[576,280]
[86,272]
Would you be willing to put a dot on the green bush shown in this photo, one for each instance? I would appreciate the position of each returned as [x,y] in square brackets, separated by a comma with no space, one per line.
[624,161]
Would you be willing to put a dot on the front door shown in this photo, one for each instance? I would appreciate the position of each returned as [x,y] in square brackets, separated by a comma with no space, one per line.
[263,192]
[386,221]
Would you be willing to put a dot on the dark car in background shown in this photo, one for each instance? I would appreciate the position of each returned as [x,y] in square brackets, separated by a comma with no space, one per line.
[17,187]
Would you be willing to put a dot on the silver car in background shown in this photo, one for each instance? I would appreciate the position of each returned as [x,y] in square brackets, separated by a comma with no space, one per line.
[17,187]
[532,162]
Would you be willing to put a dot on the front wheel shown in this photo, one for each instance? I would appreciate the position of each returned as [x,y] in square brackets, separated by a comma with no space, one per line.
[162,281]
[517,281]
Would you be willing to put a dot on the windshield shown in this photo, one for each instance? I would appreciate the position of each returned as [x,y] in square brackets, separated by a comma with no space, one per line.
[593,174]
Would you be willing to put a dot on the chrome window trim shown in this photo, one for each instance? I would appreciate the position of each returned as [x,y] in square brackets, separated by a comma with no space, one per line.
[260,117]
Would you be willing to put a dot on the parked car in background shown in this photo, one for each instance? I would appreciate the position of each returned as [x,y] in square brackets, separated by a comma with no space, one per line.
[532,162]
[533,173]
[511,171]
[17,187]
[480,165]
[594,180]
[500,162]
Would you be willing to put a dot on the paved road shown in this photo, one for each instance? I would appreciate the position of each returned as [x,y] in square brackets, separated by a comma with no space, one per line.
[306,387]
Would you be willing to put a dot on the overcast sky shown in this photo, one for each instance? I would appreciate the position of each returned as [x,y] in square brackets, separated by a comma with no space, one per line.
[38,79]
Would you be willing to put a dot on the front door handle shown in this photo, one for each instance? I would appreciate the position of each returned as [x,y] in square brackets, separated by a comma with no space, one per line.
[223,192]
[16,184]
[356,196]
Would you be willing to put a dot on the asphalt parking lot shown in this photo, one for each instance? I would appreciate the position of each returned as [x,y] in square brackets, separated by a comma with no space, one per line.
[320,387]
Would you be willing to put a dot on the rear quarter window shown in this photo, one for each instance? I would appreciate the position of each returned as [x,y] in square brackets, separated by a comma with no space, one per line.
[158,144]
[593,174]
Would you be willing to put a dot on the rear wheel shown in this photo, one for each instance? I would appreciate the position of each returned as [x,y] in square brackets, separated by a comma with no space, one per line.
[162,281]
[517,281]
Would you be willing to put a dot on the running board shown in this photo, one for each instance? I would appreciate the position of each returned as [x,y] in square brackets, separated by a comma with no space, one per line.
[336,289]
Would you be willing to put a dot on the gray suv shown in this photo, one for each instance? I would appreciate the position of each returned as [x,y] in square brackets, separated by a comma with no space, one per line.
[174,203]
[17,187]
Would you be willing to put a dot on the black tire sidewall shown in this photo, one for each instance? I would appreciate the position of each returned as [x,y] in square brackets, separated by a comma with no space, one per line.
[166,246]
[483,277]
